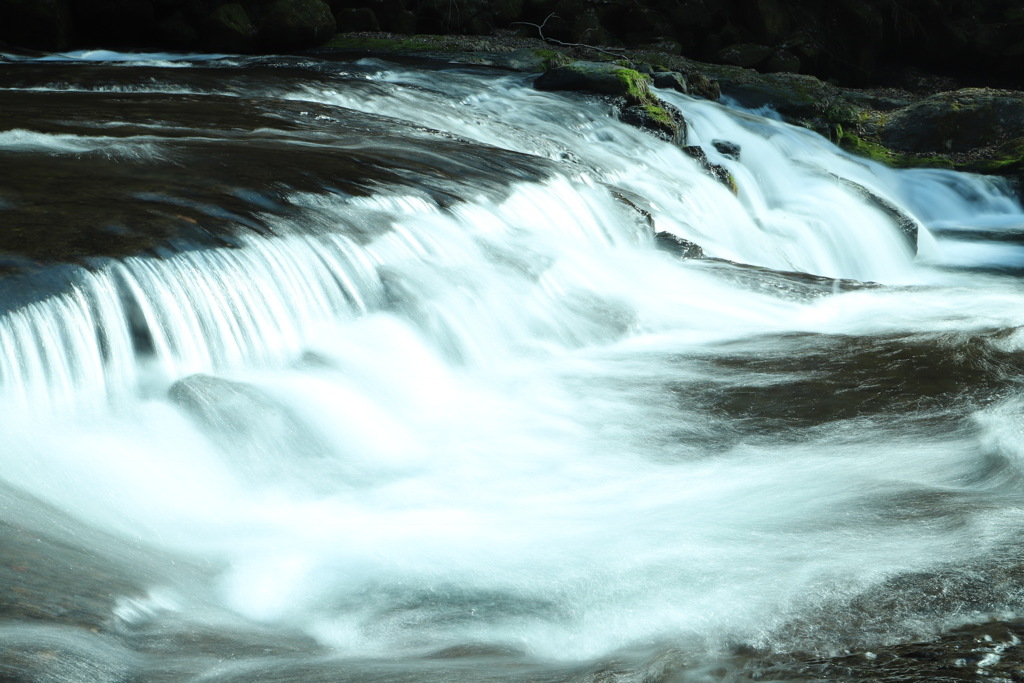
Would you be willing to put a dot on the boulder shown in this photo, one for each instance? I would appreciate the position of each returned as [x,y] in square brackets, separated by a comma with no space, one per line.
[659,118]
[781,61]
[597,77]
[957,121]
[37,24]
[229,29]
[746,55]
[640,107]
[296,24]
[670,80]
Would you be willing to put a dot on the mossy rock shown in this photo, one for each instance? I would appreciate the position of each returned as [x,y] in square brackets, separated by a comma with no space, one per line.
[957,121]
[716,171]
[884,155]
[660,118]
[641,107]
[296,24]
[598,77]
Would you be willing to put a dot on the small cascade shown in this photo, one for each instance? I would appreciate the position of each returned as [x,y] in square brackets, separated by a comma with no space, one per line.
[405,420]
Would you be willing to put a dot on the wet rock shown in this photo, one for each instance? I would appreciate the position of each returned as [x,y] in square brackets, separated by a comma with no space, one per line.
[640,107]
[670,80]
[658,118]
[908,226]
[294,24]
[677,246]
[257,431]
[229,29]
[716,171]
[40,24]
[727,149]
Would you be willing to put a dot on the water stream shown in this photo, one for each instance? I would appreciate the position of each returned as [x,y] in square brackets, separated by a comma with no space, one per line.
[435,406]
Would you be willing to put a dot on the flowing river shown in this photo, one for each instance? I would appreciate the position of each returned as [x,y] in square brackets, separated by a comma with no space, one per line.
[318,370]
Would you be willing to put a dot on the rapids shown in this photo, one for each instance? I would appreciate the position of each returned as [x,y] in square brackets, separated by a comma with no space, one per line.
[394,384]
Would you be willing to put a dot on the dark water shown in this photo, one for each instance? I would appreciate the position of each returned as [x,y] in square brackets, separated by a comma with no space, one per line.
[319,370]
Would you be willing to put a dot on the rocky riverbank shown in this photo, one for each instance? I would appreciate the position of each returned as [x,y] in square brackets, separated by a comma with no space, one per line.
[930,122]
[938,82]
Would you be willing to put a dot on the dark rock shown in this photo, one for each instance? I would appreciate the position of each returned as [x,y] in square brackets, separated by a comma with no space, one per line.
[781,61]
[795,96]
[746,55]
[229,29]
[659,118]
[716,171]
[670,80]
[356,19]
[636,203]
[39,24]
[727,149]
[677,246]
[596,77]
[907,224]
[702,86]
[955,121]
[295,24]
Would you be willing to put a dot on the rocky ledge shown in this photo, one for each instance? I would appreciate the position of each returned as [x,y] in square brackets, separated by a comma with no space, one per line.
[933,124]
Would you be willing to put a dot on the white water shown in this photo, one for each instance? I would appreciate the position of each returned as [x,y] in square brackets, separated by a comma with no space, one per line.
[467,429]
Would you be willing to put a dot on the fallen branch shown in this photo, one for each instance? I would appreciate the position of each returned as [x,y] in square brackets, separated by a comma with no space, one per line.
[614,52]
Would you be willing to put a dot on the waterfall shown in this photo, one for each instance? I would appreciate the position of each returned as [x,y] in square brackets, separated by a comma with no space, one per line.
[396,425]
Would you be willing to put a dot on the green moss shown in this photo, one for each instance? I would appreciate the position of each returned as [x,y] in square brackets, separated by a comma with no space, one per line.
[883,155]
[661,116]
[1007,158]
[551,58]
[637,87]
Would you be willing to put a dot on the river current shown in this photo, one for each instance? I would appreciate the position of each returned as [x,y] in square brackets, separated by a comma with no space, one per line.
[321,370]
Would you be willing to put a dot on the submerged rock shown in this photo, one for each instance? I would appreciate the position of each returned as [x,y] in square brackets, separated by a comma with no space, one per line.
[677,246]
[908,226]
[716,171]
[727,149]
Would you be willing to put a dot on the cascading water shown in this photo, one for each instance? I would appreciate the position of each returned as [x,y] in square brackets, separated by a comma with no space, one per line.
[473,425]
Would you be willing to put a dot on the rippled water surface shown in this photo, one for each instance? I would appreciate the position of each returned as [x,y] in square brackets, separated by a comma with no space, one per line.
[319,370]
